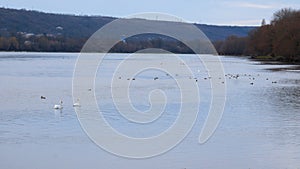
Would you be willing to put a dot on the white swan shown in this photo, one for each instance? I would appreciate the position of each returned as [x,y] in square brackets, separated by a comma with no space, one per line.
[58,106]
[76,104]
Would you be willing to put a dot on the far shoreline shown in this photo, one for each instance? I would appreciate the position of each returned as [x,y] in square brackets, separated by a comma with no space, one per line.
[263,59]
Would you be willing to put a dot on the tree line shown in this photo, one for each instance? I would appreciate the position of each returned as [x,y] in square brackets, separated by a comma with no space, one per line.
[279,40]
[59,43]
[41,43]
[233,45]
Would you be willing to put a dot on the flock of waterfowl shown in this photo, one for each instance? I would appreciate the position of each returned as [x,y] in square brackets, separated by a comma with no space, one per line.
[222,80]
[60,105]
[228,76]
[249,76]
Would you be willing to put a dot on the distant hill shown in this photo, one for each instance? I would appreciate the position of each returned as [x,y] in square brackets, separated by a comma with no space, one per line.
[13,21]
[215,33]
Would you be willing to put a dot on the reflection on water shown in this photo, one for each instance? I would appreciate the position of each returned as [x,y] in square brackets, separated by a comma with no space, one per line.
[260,126]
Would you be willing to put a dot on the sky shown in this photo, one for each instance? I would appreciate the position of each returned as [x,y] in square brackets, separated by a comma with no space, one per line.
[217,12]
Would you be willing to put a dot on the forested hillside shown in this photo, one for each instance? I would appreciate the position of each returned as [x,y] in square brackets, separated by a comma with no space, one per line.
[23,30]
[12,21]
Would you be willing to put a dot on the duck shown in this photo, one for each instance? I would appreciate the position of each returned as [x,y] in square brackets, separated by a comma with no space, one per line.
[58,106]
[76,104]
[43,97]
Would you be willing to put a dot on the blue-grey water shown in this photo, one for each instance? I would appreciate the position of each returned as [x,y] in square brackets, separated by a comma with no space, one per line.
[260,127]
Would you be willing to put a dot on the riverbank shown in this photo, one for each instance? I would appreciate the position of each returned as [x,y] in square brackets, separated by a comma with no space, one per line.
[275,60]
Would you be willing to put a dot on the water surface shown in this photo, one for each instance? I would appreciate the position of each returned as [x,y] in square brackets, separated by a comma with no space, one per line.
[260,127]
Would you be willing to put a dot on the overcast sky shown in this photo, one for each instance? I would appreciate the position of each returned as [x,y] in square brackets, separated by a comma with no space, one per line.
[227,12]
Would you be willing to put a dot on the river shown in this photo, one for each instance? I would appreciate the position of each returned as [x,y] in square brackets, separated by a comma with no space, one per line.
[260,126]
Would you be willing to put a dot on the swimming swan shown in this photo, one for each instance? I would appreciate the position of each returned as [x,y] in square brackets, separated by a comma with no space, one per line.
[58,106]
[76,104]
